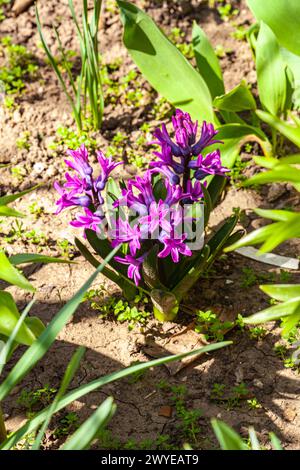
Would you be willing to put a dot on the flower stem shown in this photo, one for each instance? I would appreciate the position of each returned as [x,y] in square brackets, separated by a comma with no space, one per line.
[3,433]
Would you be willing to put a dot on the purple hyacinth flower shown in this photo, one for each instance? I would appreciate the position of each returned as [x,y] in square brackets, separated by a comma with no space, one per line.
[134,265]
[144,185]
[80,162]
[207,138]
[160,167]
[107,166]
[174,247]
[209,165]
[195,191]
[158,217]
[90,220]
[75,184]
[125,233]
[134,202]
[174,194]
[68,200]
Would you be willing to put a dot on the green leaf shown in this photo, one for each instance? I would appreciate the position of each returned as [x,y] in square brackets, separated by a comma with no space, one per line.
[163,65]
[89,430]
[290,132]
[280,173]
[282,292]
[275,441]
[271,74]
[227,437]
[11,275]
[207,62]
[4,200]
[43,343]
[192,273]
[67,379]
[253,439]
[150,270]
[165,305]
[256,237]
[238,99]
[24,258]
[9,212]
[9,316]
[219,239]
[275,312]
[278,215]
[83,390]
[283,17]
[293,62]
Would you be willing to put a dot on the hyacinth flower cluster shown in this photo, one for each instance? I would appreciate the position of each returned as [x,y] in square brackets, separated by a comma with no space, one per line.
[147,216]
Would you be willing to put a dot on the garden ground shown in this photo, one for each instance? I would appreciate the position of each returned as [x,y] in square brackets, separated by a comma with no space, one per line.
[248,383]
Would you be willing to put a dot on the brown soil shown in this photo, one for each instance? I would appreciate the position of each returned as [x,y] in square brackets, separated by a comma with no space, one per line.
[110,345]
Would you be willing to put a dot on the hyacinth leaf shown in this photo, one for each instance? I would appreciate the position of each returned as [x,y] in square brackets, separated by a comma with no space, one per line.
[290,132]
[175,78]
[227,437]
[192,274]
[238,99]
[276,312]
[276,444]
[37,350]
[271,71]
[4,200]
[90,429]
[215,189]
[150,270]
[282,17]
[208,205]
[10,274]
[6,211]
[9,316]
[84,389]
[219,239]
[254,439]
[207,62]
[286,231]
[128,287]
[165,305]
[234,238]
[282,292]
[24,258]
[266,162]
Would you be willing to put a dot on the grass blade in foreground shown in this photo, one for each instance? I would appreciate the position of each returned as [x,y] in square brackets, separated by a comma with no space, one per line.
[83,390]
[41,346]
[88,431]
[67,378]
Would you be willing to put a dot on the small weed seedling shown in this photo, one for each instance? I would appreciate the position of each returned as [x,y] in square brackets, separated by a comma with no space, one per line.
[209,324]
[34,400]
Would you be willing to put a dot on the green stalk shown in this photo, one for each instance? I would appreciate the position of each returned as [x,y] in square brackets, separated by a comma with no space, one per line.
[3,433]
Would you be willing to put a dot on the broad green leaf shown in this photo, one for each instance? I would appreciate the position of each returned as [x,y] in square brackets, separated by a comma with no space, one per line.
[282,292]
[43,343]
[280,173]
[256,237]
[89,430]
[9,316]
[275,312]
[227,437]
[288,323]
[283,17]
[278,215]
[23,258]
[293,62]
[238,99]
[11,275]
[285,231]
[266,162]
[290,132]
[11,341]
[9,212]
[234,137]
[4,200]
[150,270]
[207,62]
[271,73]
[163,65]
[275,441]
[83,390]
[192,273]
